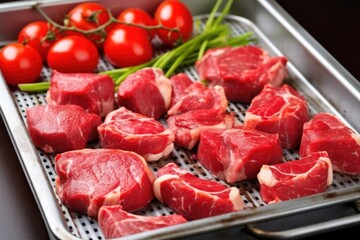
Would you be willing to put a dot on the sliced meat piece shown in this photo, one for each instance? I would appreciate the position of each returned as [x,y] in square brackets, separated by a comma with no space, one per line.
[93,92]
[126,130]
[326,132]
[60,128]
[179,83]
[295,179]
[237,154]
[279,110]
[192,197]
[147,92]
[115,222]
[188,126]
[90,178]
[242,71]
[198,97]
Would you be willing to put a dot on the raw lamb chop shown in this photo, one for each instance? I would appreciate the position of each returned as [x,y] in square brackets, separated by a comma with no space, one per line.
[93,92]
[147,92]
[126,130]
[295,179]
[188,126]
[192,197]
[115,222]
[326,132]
[237,154]
[279,110]
[90,178]
[242,71]
[60,128]
[198,96]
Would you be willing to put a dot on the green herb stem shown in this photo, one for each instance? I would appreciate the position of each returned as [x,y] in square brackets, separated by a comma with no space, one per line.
[211,17]
[224,12]
[34,87]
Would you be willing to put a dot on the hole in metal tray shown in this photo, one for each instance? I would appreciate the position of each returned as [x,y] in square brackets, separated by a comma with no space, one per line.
[83,227]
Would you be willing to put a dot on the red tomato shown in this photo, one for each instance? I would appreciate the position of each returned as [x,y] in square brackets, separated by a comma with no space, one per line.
[127,46]
[39,35]
[138,16]
[88,16]
[20,63]
[73,54]
[173,13]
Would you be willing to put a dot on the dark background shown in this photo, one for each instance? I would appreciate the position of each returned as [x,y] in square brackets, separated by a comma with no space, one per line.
[335,24]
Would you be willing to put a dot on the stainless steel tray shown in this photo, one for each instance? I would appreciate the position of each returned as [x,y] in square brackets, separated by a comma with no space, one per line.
[320,78]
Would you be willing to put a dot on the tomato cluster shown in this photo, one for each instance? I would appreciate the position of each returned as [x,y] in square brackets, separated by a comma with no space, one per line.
[90,29]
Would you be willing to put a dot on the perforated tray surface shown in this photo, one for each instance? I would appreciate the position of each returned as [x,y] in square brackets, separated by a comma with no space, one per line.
[85,228]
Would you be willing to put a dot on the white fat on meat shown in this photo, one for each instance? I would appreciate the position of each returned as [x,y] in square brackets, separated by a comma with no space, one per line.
[265,175]
[199,198]
[296,178]
[356,138]
[164,86]
[235,197]
[164,153]
[158,182]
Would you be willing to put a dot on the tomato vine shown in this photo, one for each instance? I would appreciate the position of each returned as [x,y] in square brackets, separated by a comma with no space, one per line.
[100,30]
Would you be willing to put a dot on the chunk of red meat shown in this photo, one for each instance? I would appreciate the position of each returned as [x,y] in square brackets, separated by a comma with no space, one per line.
[198,97]
[93,92]
[90,178]
[147,92]
[179,83]
[294,179]
[279,110]
[192,197]
[124,129]
[188,126]
[237,154]
[242,71]
[115,222]
[60,128]
[326,132]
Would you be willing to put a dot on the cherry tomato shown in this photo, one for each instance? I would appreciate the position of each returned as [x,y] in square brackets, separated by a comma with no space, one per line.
[127,46]
[138,16]
[88,16]
[73,54]
[39,35]
[173,13]
[20,63]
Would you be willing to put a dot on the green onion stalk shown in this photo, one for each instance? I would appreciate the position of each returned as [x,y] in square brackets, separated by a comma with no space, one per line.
[214,35]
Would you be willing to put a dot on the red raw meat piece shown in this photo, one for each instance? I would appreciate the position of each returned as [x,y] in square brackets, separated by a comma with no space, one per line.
[90,178]
[188,126]
[192,197]
[198,97]
[326,132]
[179,83]
[295,179]
[60,128]
[93,92]
[242,71]
[115,222]
[237,154]
[279,110]
[147,92]
[126,130]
